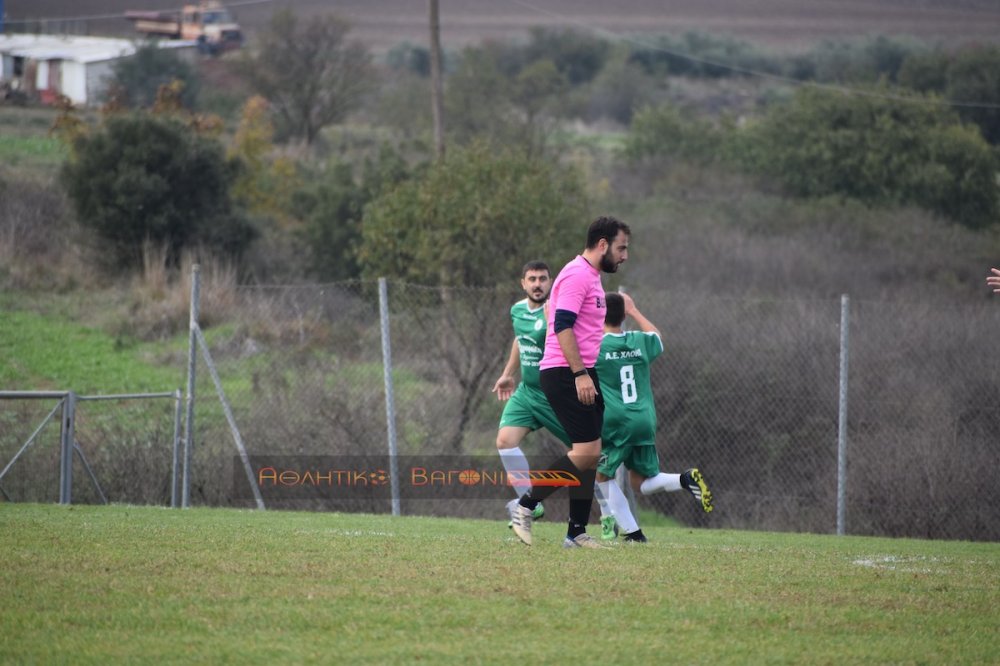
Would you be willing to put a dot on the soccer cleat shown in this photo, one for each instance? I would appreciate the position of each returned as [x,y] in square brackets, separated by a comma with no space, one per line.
[609,528]
[538,513]
[635,537]
[520,522]
[582,541]
[694,483]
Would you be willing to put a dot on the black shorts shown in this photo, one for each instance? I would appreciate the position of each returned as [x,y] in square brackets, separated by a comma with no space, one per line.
[581,422]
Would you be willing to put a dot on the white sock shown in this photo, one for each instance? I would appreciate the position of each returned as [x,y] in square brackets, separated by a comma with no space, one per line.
[621,509]
[514,461]
[662,482]
[602,498]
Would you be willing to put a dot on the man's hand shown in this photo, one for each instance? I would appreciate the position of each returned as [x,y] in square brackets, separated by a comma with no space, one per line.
[586,392]
[630,308]
[993,281]
[504,388]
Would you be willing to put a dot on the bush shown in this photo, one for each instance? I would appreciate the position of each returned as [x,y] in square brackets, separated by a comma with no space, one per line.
[332,208]
[858,61]
[141,178]
[877,150]
[666,132]
[137,80]
[702,56]
[577,56]
[620,89]
[473,219]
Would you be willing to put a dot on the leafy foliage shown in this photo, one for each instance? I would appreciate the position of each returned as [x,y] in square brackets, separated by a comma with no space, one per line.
[477,99]
[879,150]
[332,211]
[143,178]
[578,56]
[137,80]
[858,61]
[309,72]
[619,90]
[263,184]
[666,132]
[974,77]
[699,55]
[472,218]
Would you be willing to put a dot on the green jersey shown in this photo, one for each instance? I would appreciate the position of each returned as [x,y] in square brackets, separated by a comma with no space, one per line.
[529,330]
[623,370]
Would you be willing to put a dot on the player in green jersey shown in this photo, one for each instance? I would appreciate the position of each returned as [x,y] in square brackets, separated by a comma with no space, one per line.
[629,433]
[527,408]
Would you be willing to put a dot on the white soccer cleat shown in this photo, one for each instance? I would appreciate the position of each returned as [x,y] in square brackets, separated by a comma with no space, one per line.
[582,541]
[520,522]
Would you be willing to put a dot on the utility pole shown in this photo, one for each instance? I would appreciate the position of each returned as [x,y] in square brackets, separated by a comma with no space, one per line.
[437,94]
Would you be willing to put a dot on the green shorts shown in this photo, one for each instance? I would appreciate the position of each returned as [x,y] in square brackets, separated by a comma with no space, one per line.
[642,459]
[529,408]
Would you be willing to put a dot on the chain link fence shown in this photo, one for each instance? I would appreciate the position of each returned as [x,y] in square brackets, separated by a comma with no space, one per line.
[118,448]
[747,390]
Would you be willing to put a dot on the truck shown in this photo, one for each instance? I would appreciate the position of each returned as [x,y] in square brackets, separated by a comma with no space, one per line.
[208,23]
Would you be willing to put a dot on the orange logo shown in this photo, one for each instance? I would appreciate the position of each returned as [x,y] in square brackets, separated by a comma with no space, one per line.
[543,477]
[469,477]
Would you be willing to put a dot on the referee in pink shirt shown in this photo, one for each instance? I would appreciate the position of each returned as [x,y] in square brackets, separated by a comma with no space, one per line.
[567,375]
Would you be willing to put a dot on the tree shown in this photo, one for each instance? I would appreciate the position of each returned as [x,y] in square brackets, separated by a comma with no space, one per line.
[331,209]
[264,184]
[308,72]
[970,77]
[136,80]
[974,77]
[142,178]
[536,91]
[879,150]
[667,133]
[478,100]
[474,218]
[577,55]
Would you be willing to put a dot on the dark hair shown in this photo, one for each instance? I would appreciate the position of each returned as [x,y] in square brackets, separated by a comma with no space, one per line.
[534,266]
[615,314]
[605,227]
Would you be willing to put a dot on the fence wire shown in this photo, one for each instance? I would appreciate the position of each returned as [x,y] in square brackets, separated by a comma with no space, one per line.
[128,445]
[747,390]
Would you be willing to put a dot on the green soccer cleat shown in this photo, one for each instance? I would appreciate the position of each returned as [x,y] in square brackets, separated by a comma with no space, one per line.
[609,528]
[694,482]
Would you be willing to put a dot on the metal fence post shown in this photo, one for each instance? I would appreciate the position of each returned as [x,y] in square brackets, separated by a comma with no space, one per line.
[175,467]
[390,403]
[67,438]
[192,356]
[842,415]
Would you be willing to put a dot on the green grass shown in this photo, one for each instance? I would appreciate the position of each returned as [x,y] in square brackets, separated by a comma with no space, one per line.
[93,584]
[31,151]
[47,352]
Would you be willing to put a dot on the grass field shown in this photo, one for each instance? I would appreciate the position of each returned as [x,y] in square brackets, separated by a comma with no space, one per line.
[91,584]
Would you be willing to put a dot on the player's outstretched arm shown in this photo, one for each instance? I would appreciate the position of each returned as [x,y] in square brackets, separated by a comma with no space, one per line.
[993,281]
[504,387]
[632,311]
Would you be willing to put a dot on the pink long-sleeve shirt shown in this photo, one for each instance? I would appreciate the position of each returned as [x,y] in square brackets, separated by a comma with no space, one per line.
[577,289]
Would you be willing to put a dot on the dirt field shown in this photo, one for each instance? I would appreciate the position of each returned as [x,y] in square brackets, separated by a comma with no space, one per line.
[776,24]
